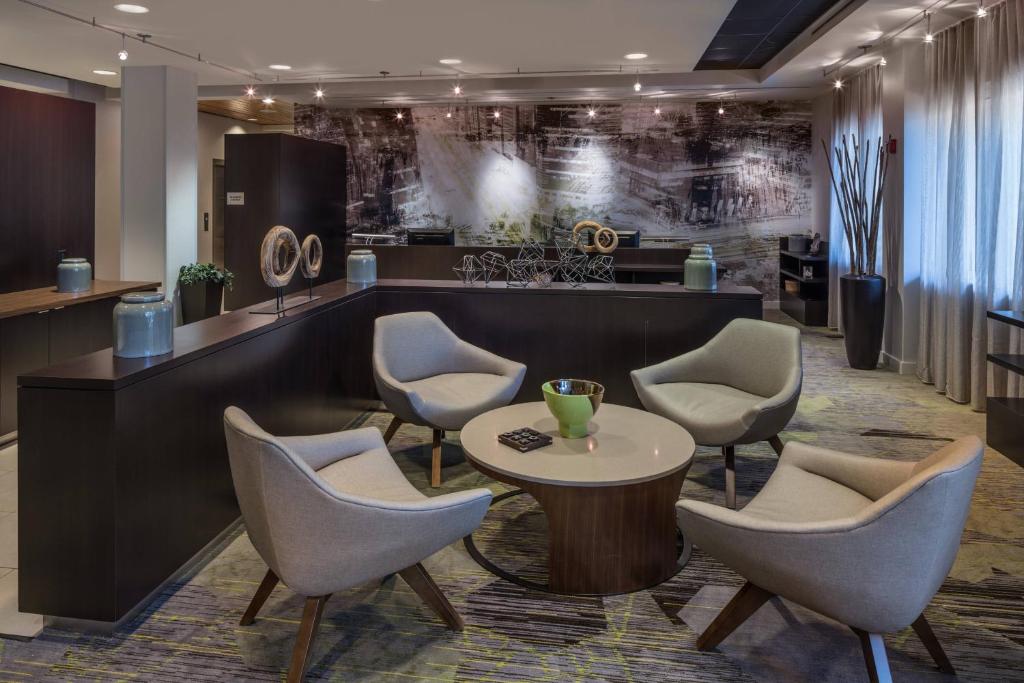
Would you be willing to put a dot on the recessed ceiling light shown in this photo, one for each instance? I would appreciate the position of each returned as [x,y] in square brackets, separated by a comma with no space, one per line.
[104,72]
[131,9]
[637,55]
[268,100]
[450,61]
[250,119]
[280,67]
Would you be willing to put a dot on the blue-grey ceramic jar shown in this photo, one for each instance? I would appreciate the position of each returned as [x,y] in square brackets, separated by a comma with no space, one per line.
[143,325]
[700,272]
[74,275]
[361,267]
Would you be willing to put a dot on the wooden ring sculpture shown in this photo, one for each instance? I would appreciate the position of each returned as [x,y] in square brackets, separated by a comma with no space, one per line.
[312,257]
[605,239]
[279,256]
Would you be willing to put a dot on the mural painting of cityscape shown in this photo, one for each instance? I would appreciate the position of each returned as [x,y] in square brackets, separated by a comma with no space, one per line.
[688,174]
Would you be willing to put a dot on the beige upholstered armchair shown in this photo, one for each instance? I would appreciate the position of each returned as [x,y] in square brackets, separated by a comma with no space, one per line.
[739,388]
[864,541]
[427,376]
[331,511]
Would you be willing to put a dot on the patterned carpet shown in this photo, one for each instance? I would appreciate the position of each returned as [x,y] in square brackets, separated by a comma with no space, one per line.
[382,632]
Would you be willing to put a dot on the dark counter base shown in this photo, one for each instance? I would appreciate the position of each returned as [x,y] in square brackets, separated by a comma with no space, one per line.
[123,471]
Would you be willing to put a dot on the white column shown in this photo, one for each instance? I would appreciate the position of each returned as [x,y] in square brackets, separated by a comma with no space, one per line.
[158,173]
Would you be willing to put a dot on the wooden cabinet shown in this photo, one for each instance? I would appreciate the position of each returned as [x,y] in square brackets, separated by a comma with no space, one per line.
[43,327]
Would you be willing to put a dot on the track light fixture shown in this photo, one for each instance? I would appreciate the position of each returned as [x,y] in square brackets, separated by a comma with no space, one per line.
[591,112]
[122,53]
[497,113]
[399,116]
[318,93]
[982,12]
[721,110]
[882,61]
[457,90]
[657,111]
[268,100]
[838,84]
[250,91]
[928,36]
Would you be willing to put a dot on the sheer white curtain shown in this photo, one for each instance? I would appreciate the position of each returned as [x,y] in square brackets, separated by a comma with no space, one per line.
[856,110]
[973,229]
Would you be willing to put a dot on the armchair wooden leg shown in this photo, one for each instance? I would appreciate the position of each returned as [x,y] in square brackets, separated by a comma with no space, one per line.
[730,476]
[924,631]
[419,580]
[435,459]
[392,428]
[262,593]
[776,444]
[311,615]
[740,608]
[874,656]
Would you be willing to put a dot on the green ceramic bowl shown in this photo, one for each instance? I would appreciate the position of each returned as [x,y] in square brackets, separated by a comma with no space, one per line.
[573,402]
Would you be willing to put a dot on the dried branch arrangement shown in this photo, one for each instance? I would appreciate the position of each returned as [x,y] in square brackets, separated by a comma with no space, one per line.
[860,209]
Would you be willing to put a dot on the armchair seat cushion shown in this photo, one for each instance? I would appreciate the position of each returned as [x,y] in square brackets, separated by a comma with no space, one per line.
[795,495]
[451,399]
[371,474]
[712,413]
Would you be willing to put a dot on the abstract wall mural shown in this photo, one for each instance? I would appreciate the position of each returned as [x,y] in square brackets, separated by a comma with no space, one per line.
[686,175]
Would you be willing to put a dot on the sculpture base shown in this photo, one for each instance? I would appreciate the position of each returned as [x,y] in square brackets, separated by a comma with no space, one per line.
[289,303]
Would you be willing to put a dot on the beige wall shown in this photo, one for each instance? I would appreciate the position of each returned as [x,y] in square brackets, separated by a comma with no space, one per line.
[211,146]
[107,264]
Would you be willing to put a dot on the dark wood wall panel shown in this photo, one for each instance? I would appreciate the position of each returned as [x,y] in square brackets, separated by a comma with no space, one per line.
[287,181]
[47,185]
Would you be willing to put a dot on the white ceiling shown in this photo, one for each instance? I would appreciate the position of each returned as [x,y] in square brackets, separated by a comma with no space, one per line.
[563,49]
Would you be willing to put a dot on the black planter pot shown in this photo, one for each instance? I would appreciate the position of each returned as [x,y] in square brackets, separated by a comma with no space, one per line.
[863,299]
[200,301]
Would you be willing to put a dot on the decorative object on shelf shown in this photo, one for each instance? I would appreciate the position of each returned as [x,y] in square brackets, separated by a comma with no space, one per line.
[520,273]
[815,248]
[574,270]
[311,260]
[469,270]
[201,290]
[808,272]
[531,250]
[858,190]
[700,272]
[74,275]
[143,325]
[792,286]
[573,402]
[544,272]
[798,243]
[279,256]
[361,267]
[604,240]
[492,264]
[602,269]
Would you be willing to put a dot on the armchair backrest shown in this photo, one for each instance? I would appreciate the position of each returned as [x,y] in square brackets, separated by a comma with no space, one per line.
[755,356]
[268,480]
[411,346]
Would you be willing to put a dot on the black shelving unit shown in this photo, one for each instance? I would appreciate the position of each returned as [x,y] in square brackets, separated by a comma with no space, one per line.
[809,304]
[1004,416]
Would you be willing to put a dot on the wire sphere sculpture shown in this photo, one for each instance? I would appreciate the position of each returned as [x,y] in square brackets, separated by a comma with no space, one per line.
[470,270]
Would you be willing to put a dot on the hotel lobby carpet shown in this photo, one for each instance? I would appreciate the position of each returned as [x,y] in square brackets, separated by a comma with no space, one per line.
[382,632]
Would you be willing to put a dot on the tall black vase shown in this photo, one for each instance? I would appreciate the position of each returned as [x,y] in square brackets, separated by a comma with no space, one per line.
[863,299]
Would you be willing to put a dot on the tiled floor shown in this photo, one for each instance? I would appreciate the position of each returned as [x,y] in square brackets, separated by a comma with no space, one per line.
[12,622]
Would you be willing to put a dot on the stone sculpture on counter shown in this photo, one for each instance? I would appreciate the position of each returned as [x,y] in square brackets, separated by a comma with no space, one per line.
[280,254]
[311,260]
[605,240]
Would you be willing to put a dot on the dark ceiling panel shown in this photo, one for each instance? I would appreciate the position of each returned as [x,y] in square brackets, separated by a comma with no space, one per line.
[757,30]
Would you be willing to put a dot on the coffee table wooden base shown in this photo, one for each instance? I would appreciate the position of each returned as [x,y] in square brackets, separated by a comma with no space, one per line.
[604,540]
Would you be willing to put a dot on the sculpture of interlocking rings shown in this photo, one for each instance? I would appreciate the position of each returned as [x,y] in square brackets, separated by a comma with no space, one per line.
[605,240]
[312,258]
[279,256]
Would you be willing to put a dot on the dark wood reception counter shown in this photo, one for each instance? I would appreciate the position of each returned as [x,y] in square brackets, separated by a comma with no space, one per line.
[123,470]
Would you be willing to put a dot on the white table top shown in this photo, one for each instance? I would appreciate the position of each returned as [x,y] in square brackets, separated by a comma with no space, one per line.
[625,446]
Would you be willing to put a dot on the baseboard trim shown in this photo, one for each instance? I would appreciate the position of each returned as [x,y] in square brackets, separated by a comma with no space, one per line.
[192,567]
[901,367]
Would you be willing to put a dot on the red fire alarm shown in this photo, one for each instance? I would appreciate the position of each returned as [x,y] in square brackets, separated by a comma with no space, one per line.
[892,145]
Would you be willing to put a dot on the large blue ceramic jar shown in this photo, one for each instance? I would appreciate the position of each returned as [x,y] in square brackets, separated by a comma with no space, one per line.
[74,275]
[143,325]
[361,267]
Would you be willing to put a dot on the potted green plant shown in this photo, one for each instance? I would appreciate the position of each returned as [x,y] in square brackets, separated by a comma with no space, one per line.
[858,181]
[201,286]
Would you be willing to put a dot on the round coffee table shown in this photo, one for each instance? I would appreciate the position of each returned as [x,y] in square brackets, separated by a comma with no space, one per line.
[609,498]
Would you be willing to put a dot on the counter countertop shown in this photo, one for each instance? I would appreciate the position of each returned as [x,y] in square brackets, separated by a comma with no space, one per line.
[45,298]
[101,370]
